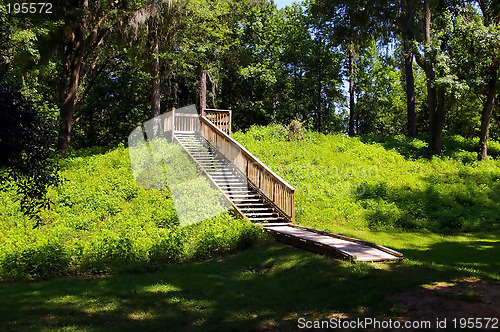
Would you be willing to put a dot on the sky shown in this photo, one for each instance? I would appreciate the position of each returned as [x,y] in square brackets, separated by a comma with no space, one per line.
[283,3]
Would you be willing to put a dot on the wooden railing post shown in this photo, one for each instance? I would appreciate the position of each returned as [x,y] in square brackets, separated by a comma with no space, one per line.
[173,123]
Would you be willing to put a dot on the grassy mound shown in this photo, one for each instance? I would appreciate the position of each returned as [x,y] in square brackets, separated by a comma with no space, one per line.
[100,221]
[359,183]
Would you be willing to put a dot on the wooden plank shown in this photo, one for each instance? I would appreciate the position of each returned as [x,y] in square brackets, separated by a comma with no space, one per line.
[347,247]
[367,243]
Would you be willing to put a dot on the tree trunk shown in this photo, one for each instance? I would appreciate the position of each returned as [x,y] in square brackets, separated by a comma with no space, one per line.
[408,35]
[427,21]
[351,91]
[488,111]
[410,90]
[489,105]
[438,126]
[155,75]
[68,88]
[203,91]
[435,99]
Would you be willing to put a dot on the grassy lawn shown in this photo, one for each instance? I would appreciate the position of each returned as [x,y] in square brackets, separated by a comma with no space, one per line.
[263,288]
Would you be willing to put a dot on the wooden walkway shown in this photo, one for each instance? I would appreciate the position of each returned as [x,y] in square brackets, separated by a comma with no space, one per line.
[256,193]
[332,244]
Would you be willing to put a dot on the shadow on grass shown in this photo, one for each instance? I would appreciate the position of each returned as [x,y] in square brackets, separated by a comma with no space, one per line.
[265,288]
[415,148]
[475,256]
[446,203]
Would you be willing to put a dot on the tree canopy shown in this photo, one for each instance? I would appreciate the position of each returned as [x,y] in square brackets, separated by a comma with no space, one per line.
[97,69]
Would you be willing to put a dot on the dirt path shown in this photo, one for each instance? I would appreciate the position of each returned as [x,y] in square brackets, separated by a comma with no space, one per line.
[464,298]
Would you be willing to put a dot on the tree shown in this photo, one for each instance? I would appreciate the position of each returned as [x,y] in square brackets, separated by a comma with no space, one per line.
[156,22]
[406,27]
[26,141]
[87,28]
[436,93]
[351,24]
[491,21]
[251,81]
[380,94]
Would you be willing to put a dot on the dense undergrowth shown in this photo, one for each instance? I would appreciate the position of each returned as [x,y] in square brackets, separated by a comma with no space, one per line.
[100,221]
[380,184]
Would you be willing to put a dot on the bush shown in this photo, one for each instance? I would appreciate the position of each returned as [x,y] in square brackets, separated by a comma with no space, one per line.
[109,252]
[26,151]
[40,259]
[101,222]
[221,234]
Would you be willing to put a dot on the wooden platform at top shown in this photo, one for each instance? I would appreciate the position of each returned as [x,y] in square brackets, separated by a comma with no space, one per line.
[332,244]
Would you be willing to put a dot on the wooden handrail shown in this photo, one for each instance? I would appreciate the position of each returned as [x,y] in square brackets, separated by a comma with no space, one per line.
[273,187]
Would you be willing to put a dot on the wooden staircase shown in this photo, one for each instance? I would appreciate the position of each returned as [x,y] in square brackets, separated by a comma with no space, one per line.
[254,191]
[229,179]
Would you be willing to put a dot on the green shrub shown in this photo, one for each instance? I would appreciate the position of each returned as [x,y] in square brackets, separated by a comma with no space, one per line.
[383,182]
[220,234]
[110,252]
[40,259]
[167,247]
[100,221]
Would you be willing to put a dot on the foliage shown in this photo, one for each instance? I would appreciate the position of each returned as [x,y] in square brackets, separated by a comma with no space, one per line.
[26,145]
[390,183]
[101,222]
[381,106]
[267,65]
[44,257]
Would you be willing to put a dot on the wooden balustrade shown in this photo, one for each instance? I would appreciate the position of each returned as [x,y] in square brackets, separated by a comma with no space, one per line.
[186,122]
[279,193]
[220,118]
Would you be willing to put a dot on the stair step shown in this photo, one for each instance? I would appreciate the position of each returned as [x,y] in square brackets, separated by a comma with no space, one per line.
[239,191]
[236,194]
[262,215]
[264,219]
[227,177]
[242,205]
[210,159]
[256,209]
[249,200]
[229,172]
[224,167]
